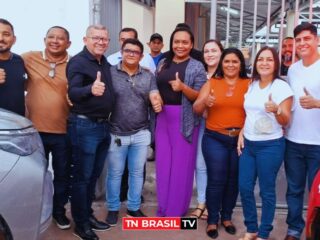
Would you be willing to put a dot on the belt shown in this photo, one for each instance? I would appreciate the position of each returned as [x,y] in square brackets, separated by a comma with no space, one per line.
[231,132]
[93,119]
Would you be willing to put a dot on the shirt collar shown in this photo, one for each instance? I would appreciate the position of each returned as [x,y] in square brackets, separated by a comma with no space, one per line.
[119,68]
[45,57]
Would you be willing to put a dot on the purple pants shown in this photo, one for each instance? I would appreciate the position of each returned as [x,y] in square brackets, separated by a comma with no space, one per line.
[175,163]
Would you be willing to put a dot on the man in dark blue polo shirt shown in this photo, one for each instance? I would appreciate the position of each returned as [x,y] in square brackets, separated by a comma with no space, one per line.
[91,92]
[12,72]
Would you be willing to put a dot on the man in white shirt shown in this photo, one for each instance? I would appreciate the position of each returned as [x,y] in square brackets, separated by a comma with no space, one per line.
[302,158]
[125,33]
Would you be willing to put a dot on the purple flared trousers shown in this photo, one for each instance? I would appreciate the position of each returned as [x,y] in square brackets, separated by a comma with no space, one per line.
[175,163]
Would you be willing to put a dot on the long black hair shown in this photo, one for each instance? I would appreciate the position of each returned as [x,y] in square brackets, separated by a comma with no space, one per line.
[238,53]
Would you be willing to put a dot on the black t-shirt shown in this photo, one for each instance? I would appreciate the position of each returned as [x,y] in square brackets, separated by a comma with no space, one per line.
[284,70]
[81,73]
[196,54]
[12,90]
[169,96]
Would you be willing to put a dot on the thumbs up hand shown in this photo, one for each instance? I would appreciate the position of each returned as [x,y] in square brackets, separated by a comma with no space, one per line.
[98,86]
[270,106]
[210,99]
[2,76]
[308,101]
[176,85]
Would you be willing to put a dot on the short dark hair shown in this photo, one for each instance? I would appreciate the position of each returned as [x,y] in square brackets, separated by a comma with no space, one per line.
[287,38]
[128,29]
[255,74]
[305,27]
[238,53]
[6,22]
[183,25]
[132,41]
[62,28]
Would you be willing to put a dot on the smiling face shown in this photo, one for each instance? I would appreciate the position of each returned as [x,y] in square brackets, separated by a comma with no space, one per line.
[131,55]
[7,38]
[211,54]
[57,42]
[306,44]
[231,66]
[265,64]
[97,42]
[181,45]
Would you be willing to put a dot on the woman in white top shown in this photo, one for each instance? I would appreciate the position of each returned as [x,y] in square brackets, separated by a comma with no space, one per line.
[212,50]
[261,144]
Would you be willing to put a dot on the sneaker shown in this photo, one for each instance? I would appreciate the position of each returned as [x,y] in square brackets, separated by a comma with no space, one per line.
[112,218]
[62,221]
[137,213]
[85,233]
[97,225]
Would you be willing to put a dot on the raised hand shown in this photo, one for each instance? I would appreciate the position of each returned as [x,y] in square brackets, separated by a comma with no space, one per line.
[98,86]
[308,101]
[176,85]
[210,99]
[2,76]
[270,106]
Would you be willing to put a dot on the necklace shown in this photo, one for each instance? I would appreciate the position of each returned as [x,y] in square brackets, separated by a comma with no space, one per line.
[131,80]
[230,89]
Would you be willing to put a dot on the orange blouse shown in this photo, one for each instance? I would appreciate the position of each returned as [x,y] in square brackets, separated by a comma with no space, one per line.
[228,110]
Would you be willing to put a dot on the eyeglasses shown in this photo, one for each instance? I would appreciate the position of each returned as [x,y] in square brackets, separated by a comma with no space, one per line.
[52,71]
[98,39]
[131,52]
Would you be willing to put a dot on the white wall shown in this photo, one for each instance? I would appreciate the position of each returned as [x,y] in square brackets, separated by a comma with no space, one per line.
[168,14]
[139,17]
[31,20]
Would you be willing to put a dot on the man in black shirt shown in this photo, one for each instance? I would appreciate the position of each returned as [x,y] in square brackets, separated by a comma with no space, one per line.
[12,71]
[92,95]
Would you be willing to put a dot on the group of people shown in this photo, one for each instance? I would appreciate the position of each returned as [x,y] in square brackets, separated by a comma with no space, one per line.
[201,111]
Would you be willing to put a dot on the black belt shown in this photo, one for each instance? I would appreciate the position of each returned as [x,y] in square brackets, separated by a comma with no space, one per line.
[93,119]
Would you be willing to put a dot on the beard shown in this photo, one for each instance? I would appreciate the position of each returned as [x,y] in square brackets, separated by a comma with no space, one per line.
[4,49]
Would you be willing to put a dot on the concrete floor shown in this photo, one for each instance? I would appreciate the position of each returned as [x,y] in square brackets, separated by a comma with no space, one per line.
[149,208]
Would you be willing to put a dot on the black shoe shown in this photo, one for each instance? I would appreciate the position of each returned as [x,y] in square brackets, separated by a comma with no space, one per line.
[231,229]
[85,233]
[213,233]
[62,221]
[137,213]
[98,225]
[112,218]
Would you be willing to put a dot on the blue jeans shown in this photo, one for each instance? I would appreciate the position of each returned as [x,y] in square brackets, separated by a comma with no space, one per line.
[220,155]
[90,141]
[302,161]
[60,149]
[201,169]
[133,148]
[262,160]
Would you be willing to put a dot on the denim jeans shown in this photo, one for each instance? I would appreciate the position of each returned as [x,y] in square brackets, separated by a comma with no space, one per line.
[302,161]
[201,169]
[220,155]
[262,160]
[133,149]
[60,149]
[90,141]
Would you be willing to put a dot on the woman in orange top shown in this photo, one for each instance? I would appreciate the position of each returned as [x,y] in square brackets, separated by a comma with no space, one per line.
[223,98]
